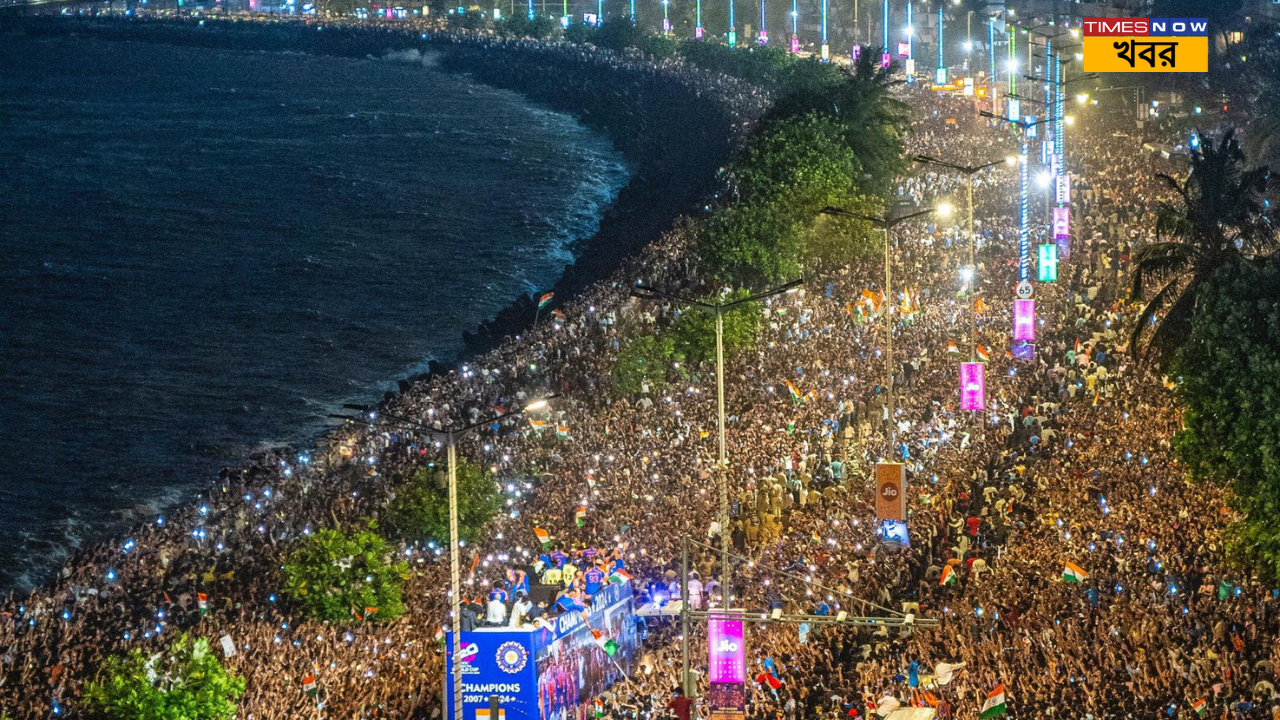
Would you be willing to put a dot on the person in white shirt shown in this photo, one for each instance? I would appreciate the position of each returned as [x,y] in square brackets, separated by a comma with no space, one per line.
[519,610]
[496,614]
[695,592]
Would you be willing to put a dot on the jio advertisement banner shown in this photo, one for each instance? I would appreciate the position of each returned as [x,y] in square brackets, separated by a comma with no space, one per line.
[727,696]
[547,672]
[891,492]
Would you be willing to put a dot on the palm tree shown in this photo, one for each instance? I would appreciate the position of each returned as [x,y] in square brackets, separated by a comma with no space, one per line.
[1220,216]
[862,99]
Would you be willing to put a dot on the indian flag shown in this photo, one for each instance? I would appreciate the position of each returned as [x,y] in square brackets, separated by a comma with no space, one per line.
[983,355]
[952,348]
[607,644]
[545,300]
[562,432]
[1072,572]
[795,392]
[579,514]
[544,537]
[537,424]
[309,686]
[994,706]
[948,576]
[1200,706]
[619,576]
[203,601]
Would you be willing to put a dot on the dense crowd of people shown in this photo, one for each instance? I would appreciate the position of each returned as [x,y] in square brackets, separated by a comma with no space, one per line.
[1069,463]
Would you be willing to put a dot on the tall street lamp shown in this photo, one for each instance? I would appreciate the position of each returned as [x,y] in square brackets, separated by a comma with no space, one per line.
[969,171]
[884,225]
[450,435]
[718,308]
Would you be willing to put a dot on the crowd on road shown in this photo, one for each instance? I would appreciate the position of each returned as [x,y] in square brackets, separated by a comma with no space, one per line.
[1070,463]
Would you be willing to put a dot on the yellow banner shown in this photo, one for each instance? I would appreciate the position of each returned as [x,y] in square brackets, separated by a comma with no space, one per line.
[1146,54]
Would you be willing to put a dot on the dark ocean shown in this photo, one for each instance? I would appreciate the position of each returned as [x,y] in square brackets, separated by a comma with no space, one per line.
[204,252]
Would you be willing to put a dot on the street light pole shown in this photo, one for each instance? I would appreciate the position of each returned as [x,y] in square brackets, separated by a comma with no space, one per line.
[722,460]
[968,171]
[455,579]
[886,226]
[450,436]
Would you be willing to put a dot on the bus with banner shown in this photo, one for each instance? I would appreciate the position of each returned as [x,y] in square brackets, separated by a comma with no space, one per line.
[546,672]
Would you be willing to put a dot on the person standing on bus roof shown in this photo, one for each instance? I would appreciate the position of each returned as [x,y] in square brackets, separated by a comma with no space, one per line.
[592,580]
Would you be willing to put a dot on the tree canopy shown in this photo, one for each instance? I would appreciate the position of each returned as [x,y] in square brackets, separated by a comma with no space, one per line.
[1219,216]
[346,577]
[185,681]
[420,510]
[1229,371]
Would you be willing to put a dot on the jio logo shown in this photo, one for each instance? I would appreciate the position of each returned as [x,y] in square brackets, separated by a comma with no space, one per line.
[727,646]
[889,491]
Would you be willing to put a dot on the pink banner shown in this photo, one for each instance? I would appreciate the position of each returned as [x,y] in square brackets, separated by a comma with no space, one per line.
[973,386]
[1024,320]
[1061,223]
[728,651]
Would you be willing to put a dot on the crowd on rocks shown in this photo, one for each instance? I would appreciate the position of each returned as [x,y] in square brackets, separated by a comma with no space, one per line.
[1070,462]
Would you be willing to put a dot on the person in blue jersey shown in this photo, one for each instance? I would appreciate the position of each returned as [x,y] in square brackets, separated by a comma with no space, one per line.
[498,592]
[517,581]
[593,579]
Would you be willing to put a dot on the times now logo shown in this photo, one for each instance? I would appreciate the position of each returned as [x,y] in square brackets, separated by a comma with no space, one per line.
[1144,27]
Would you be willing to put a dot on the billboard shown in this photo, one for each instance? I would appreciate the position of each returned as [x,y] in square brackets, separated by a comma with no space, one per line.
[545,673]
[727,695]
[1024,320]
[973,386]
[1047,263]
[1145,45]
[891,491]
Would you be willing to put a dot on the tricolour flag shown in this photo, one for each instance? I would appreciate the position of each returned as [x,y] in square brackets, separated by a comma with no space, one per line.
[545,300]
[1200,706]
[983,355]
[619,576]
[544,537]
[537,424]
[952,348]
[994,706]
[309,686]
[795,391]
[203,601]
[579,514]
[562,432]
[607,644]
[948,576]
[1072,572]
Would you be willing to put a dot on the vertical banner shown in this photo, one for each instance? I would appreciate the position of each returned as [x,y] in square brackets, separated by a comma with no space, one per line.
[973,386]
[1062,227]
[1047,265]
[891,492]
[727,696]
[1024,320]
[1061,223]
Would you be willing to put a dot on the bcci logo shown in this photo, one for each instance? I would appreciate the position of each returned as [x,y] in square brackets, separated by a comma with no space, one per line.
[512,657]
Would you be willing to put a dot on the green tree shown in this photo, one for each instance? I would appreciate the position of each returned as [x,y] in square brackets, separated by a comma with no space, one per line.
[184,682]
[861,100]
[341,577]
[694,332]
[643,359]
[420,510]
[1218,217]
[793,168]
[1229,369]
